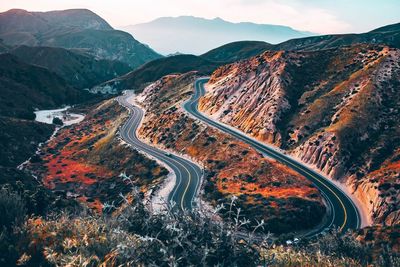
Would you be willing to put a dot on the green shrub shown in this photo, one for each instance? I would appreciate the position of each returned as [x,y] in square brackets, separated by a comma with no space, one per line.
[12,209]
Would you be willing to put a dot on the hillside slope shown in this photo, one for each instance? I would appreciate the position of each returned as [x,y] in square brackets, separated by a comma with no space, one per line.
[335,109]
[154,70]
[26,87]
[73,29]
[236,51]
[231,52]
[79,69]
[387,35]
[86,160]
[19,20]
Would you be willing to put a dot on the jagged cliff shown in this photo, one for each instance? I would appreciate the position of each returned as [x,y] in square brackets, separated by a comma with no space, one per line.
[250,95]
[335,109]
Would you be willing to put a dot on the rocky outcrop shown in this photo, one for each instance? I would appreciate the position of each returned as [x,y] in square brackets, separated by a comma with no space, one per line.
[323,152]
[380,190]
[250,95]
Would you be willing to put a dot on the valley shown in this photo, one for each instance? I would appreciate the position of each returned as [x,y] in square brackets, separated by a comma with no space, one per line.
[275,150]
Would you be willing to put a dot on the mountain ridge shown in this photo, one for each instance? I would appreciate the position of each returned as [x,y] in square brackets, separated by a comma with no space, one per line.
[73,28]
[237,51]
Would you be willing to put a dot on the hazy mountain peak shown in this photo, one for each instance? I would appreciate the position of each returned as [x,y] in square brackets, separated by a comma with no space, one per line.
[16,11]
[22,20]
[82,18]
[219,19]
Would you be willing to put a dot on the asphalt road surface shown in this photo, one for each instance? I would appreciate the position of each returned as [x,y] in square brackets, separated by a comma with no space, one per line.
[342,212]
[188,174]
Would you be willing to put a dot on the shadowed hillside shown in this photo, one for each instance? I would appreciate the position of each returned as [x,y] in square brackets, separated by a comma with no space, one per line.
[79,69]
[76,28]
[25,87]
[156,69]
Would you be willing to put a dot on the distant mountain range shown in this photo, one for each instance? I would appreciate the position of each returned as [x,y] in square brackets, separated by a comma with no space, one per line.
[237,51]
[74,28]
[192,35]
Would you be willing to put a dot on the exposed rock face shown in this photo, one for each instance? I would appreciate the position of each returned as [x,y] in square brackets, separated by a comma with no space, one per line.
[250,95]
[379,189]
[323,152]
[335,109]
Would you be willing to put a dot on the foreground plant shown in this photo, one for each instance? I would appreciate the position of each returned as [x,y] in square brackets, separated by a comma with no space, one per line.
[131,235]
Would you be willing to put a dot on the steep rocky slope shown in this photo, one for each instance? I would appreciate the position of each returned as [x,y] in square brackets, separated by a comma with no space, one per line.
[265,189]
[335,109]
[76,28]
[80,70]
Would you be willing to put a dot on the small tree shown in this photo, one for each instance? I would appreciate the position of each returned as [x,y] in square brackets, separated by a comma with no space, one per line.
[57,121]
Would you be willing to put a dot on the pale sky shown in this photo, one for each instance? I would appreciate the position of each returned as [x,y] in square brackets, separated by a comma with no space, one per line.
[319,16]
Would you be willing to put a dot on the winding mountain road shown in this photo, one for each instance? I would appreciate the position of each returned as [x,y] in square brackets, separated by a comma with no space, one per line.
[342,212]
[188,174]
